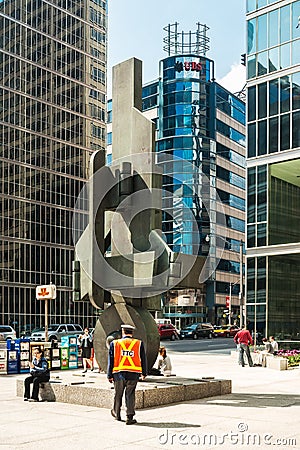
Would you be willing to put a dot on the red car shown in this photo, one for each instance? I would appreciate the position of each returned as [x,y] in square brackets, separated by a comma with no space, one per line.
[167,331]
[226,331]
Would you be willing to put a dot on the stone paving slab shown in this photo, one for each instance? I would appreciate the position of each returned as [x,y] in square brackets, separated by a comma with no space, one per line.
[262,402]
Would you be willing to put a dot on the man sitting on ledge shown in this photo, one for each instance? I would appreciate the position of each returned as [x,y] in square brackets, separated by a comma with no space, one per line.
[39,374]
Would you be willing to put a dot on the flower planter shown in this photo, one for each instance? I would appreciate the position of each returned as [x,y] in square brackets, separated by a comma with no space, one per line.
[293,357]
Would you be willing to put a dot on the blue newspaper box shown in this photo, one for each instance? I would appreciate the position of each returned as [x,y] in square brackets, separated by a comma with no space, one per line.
[12,361]
[64,352]
[3,358]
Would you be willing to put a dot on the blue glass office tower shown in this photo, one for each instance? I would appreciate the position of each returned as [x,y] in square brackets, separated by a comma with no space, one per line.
[273,152]
[200,127]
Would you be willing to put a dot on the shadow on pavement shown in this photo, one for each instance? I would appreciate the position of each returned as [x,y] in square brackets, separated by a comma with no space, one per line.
[254,400]
[168,425]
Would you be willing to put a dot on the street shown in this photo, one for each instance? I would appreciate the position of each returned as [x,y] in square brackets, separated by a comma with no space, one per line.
[221,346]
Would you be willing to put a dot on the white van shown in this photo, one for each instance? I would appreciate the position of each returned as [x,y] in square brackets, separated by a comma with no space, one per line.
[7,332]
[163,321]
[56,331]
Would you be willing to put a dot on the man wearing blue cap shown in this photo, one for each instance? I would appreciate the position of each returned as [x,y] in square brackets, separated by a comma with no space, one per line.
[126,362]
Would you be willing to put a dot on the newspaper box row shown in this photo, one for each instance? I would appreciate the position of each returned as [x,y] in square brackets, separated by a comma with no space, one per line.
[15,355]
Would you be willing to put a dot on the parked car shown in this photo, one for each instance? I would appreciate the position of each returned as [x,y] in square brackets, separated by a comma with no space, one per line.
[197,330]
[226,331]
[7,332]
[167,331]
[56,331]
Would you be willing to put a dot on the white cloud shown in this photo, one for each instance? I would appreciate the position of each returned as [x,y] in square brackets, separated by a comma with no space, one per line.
[234,80]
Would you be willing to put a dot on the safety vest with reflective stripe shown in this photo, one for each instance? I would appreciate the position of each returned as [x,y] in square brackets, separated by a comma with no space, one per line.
[127,355]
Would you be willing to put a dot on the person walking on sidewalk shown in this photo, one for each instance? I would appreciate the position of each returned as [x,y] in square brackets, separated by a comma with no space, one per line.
[243,338]
[126,362]
[39,373]
[86,343]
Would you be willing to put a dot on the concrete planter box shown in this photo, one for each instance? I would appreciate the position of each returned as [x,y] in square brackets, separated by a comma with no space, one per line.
[276,362]
[271,361]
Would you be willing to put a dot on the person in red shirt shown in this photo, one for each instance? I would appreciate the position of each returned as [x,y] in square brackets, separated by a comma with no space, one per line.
[243,338]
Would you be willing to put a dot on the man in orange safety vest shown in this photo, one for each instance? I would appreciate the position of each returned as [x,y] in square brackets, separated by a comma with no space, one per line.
[126,363]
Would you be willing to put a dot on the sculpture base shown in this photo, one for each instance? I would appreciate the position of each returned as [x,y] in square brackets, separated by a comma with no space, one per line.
[94,390]
[109,326]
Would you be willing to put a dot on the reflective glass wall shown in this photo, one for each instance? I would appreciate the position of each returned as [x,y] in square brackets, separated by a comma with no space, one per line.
[202,123]
[273,151]
[52,117]
[273,39]
[274,115]
[185,109]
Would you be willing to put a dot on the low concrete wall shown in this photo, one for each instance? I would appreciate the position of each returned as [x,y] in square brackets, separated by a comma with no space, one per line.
[153,392]
[269,361]
[276,362]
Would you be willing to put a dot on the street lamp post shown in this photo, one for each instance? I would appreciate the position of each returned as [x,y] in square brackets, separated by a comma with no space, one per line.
[230,295]
[229,309]
[241,298]
[241,286]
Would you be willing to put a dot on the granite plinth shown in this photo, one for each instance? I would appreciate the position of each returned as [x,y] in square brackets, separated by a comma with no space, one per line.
[277,363]
[154,391]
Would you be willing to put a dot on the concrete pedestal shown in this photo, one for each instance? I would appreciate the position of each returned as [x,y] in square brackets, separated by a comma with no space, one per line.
[154,391]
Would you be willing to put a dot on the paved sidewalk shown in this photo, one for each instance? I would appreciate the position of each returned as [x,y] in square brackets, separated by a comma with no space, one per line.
[264,410]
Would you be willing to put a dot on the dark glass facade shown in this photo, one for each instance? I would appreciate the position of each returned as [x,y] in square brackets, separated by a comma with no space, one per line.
[274,117]
[52,117]
[273,163]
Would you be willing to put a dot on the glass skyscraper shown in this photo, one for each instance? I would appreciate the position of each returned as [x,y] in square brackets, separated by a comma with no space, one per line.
[273,167]
[52,117]
[200,128]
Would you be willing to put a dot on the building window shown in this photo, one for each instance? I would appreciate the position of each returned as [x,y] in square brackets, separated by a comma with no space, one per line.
[97,17]
[98,74]
[97,112]
[101,3]
[97,131]
[97,36]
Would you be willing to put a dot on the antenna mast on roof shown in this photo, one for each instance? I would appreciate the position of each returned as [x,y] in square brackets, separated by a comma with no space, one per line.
[196,43]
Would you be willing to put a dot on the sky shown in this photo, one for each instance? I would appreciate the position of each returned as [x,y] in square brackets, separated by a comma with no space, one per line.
[135,29]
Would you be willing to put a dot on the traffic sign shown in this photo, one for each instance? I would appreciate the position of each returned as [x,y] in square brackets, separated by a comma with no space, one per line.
[46,292]
[227,301]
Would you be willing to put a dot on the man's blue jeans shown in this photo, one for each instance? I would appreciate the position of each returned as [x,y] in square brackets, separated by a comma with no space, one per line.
[245,348]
